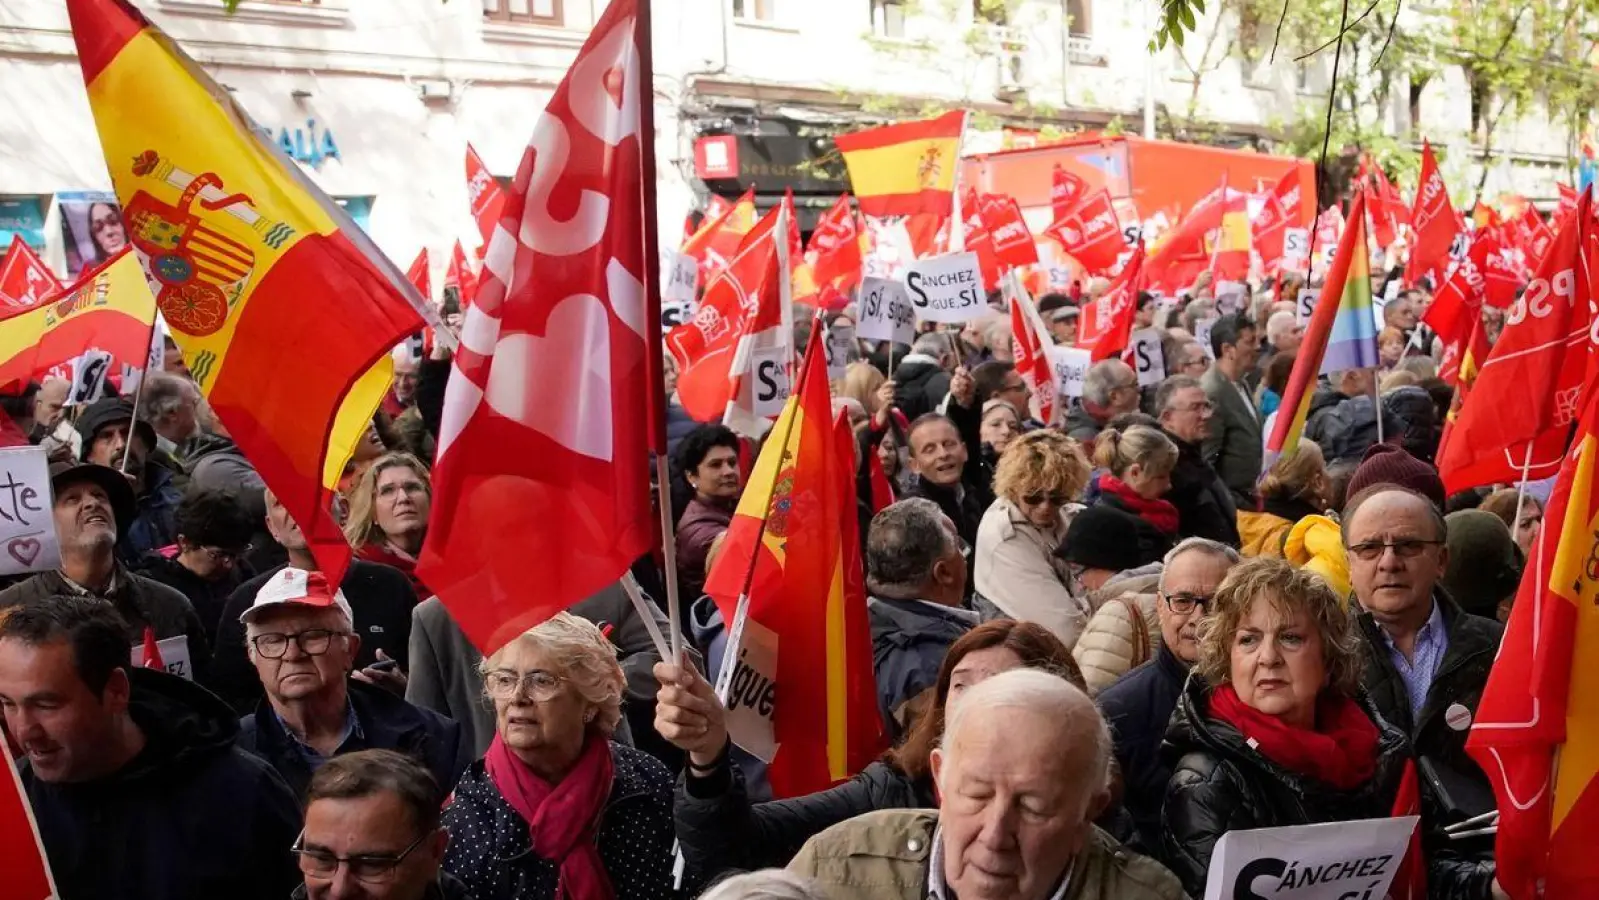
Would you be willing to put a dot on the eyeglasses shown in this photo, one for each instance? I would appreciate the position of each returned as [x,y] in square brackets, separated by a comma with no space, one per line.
[1018,386]
[1201,406]
[312,642]
[1183,604]
[226,557]
[542,686]
[367,869]
[1404,548]
[1038,498]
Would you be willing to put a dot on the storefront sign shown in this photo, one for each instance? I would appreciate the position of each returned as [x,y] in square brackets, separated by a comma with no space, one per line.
[716,156]
[22,216]
[308,144]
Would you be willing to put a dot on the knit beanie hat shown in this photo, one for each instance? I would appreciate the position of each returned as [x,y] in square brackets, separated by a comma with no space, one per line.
[1484,561]
[1390,464]
[1104,537]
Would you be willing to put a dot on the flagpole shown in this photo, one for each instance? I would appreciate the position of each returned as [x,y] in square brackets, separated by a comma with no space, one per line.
[1521,492]
[654,374]
[1376,401]
[138,393]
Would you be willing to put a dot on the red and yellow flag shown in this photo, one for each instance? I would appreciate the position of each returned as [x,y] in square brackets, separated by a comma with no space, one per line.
[109,309]
[717,241]
[907,168]
[792,551]
[284,310]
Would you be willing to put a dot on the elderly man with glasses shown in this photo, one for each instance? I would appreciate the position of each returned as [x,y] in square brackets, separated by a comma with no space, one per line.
[372,832]
[1139,706]
[299,639]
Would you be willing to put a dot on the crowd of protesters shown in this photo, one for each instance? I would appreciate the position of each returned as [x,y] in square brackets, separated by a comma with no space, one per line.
[1099,646]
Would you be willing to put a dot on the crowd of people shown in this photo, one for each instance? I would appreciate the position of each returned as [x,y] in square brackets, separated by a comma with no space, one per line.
[1099,645]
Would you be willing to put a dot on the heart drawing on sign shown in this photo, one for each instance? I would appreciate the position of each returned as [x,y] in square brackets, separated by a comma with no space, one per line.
[24,550]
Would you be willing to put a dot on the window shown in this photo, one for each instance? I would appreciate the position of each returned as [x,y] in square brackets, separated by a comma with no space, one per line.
[540,12]
[759,10]
[888,18]
[1081,22]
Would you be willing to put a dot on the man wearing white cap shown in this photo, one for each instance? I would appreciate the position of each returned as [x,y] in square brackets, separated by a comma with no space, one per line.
[299,638]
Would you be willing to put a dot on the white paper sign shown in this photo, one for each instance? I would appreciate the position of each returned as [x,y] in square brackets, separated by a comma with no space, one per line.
[891,248]
[946,288]
[770,367]
[1148,360]
[174,654]
[1202,334]
[1231,296]
[89,372]
[747,685]
[886,313]
[1305,304]
[679,277]
[838,344]
[1296,245]
[1335,861]
[1071,364]
[27,524]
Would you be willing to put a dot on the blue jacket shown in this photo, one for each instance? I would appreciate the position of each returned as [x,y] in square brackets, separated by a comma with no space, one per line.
[909,640]
[385,721]
[1138,708]
[156,524]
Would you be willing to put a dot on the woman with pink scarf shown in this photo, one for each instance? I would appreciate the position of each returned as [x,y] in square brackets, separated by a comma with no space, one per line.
[555,810]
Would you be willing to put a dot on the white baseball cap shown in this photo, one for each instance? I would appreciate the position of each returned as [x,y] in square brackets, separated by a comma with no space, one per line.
[298,587]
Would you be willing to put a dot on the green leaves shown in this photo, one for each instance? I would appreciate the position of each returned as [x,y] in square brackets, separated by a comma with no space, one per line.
[1177,19]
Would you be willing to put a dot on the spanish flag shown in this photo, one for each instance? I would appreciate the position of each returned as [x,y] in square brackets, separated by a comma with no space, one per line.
[110,309]
[791,562]
[907,168]
[284,310]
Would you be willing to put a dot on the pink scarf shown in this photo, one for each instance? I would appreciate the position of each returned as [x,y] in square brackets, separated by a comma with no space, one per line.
[562,819]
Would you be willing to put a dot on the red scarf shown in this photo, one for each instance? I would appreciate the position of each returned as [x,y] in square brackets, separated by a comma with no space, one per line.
[1341,750]
[389,555]
[562,819]
[1159,513]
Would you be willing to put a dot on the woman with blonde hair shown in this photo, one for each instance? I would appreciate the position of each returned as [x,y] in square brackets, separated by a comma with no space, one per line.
[1295,487]
[1138,464]
[861,381]
[389,511]
[1016,572]
[555,808]
[1274,730]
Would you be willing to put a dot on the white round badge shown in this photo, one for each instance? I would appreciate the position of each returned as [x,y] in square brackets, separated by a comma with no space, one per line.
[1457,717]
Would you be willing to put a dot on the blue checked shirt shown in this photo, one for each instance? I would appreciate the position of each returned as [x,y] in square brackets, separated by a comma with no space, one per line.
[1432,642]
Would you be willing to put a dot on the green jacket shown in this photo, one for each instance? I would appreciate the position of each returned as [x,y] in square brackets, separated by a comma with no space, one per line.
[883,855]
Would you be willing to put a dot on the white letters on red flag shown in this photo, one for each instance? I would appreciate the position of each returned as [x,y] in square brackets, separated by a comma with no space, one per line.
[1065,190]
[978,241]
[1433,221]
[543,450]
[1030,342]
[1090,232]
[488,201]
[1007,230]
[24,278]
[836,246]
[745,308]
[418,275]
[1268,231]
[1106,325]
[1460,300]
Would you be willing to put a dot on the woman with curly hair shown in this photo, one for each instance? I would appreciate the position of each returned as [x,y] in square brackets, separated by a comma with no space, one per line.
[1274,729]
[389,511]
[1016,572]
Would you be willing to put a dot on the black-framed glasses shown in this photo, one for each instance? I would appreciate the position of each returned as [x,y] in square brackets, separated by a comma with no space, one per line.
[1404,548]
[503,684]
[226,557]
[371,869]
[1183,604]
[1037,498]
[312,642]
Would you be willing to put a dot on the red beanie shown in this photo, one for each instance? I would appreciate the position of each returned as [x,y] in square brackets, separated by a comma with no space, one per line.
[1390,464]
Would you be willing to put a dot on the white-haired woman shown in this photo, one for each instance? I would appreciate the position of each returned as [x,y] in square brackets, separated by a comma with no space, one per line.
[555,809]
[766,884]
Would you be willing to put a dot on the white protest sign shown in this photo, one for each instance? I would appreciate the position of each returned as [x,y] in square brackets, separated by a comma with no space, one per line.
[747,685]
[89,371]
[27,525]
[946,288]
[1231,296]
[1202,333]
[174,655]
[886,313]
[1148,360]
[1305,306]
[838,344]
[679,277]
[890,249]
[1335,861]
[769,365]
[1071,364]
[1296,246]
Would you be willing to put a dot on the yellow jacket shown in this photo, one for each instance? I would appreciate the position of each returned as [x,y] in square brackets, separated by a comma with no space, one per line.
[1262,533]
[1317,543]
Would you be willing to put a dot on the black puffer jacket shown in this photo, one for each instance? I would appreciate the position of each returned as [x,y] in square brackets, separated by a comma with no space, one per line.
[1461,869]
[1205,507]
[1345,427]
[1220,784]
[720,830]
[920,384]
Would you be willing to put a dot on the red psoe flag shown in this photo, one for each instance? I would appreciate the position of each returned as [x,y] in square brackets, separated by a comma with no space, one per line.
[1013,242]
[1433,221]
[484,194]
[460,276]
[1065,189]
[418,274]
[1460,300]
[979,241]
[836,243]
[1030,341]
[1106,325]
[543,449]
[1268,231]
[1090,232]
[25,280]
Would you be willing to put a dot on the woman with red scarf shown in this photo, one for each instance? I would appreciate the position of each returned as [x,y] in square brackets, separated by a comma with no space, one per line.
[1137,466]
[389,510]
[1273,728]
[556,810]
